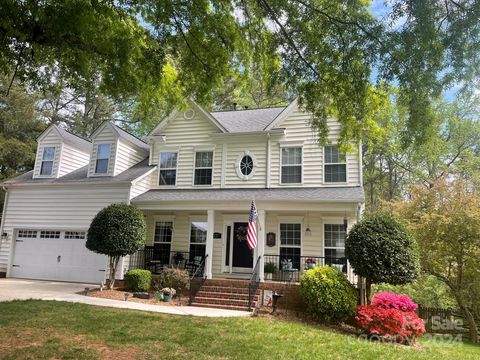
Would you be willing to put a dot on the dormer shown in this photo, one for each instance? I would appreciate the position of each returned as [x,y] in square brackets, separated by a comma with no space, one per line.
[60,152]
[114,150]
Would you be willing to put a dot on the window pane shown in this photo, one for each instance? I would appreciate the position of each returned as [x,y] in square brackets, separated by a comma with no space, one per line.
[196,250]
[333,155]
[292,156]
[101,166]
[292,254]
[290,234]
[163,232]
[47,167]
[103,151]
[168,177]
[168,160]
[49,153]
[203,177]
[47,234]
[198,232]
[336,173]
[291,174]
[204,159]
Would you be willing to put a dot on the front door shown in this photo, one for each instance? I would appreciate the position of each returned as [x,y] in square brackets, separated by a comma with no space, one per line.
[242,256]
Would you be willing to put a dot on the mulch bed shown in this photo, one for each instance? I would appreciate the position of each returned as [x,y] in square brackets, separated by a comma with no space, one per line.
[119,294]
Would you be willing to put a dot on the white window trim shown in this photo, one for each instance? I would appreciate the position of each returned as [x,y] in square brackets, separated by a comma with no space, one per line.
[109,159]
[163,218]
[195,218]
[195,151]
[333,221]
[53,162]
[324,164]
[290,220]
[159,168]
[238,161]
[291,145]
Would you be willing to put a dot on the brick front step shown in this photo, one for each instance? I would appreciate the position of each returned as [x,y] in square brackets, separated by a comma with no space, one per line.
[222,295]
[228,301]
[227,282]
[219,306]
[225,289]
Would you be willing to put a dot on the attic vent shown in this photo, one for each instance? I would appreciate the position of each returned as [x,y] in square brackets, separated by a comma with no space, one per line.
[189,115]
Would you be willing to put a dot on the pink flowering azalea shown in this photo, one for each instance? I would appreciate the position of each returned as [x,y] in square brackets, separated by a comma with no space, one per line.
[389,300]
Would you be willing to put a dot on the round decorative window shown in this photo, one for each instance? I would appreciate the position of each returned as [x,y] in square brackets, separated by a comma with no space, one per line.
[189,114]
[245,165]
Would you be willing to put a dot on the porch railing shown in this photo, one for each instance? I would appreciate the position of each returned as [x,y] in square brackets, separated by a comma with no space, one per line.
[254,283]
[290,268]
[197,279]
[155,260]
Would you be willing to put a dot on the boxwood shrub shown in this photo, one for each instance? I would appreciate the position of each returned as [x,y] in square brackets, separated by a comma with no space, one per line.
[138,280]
[328,294]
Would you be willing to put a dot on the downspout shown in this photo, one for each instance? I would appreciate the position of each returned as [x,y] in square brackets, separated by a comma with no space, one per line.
[2,225]
[269,145]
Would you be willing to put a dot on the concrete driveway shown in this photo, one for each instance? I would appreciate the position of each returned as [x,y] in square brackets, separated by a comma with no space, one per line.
[21,289]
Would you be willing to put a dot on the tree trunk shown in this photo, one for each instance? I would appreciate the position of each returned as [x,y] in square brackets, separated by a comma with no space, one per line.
[472,325]
[113,262]
[368,290]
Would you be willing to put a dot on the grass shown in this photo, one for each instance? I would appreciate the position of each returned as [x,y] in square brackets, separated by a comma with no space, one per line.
[43,329]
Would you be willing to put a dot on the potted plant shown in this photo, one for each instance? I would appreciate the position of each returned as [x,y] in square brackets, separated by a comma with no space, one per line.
[168,294]
[310,263]
[287,264]
[269,269]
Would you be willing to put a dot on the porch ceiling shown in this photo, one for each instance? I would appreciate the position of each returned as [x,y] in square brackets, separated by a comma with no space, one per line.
[306,194]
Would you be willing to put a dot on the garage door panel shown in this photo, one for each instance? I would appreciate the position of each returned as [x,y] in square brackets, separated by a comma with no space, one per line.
[63,259]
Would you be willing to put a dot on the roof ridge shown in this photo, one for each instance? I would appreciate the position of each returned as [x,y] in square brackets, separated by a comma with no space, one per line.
[250,109]
[79,136]
[129,133]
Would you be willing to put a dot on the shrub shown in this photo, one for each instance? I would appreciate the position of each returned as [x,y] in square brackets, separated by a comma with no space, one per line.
[328,294]
[270,268]
[138,280]
[381,250]
[174,278]
[389,300]
[117,230]
[402,326]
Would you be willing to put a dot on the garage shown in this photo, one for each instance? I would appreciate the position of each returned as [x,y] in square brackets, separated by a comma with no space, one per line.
[56,255]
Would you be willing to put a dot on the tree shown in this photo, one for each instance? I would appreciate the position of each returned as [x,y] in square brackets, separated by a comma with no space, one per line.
[445,219]
[324,50]
[381,250]
[116,231]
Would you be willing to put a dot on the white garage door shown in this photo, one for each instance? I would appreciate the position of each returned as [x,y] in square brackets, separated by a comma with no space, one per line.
[56,255]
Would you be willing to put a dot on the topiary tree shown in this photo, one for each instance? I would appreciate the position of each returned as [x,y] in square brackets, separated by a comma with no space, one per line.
[116,231]
[381,250]
[328,294]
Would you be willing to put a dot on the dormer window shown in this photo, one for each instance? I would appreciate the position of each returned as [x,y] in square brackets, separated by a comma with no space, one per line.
[47,161]
[103,157]
[168,168]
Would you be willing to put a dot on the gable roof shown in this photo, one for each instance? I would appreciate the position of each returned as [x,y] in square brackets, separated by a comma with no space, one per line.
[249,120]
[79,176]
[122,134]
[75,140]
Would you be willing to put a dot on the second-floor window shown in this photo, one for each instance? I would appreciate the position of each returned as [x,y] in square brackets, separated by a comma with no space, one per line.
[103,157]
[335,165]
[47,160]
[291,165]
[203,168]
[168,168]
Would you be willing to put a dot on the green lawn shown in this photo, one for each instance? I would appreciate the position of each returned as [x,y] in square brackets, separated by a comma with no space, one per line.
[41,329]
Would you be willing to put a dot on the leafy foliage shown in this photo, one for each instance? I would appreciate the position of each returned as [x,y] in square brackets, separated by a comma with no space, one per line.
[446,221]
[380,249]
[174,278]
[402,326]
[388,300]
[328,294]
[138,280]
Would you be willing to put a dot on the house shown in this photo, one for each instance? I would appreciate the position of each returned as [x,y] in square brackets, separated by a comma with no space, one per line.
[194,179]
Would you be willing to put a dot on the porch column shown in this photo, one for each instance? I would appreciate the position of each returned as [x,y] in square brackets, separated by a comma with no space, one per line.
[209,244]
[261,243]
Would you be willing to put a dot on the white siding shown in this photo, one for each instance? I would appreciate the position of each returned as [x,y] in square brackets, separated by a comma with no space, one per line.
[72,159]
[55,207]
[51,138]
[127,156]
[188,135]
[104,136]
[143,185]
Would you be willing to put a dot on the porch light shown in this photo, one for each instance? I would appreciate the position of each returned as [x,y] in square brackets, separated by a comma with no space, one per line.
[308,232]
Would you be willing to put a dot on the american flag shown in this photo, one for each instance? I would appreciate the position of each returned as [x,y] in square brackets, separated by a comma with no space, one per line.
[252,227]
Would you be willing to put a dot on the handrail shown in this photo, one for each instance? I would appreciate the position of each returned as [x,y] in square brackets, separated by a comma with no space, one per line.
[254,283]
[197,281]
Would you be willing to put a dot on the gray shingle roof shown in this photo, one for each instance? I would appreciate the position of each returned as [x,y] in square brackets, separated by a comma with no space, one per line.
[247,120]
[80,177]
[77,141]
[131,138]
[345,194]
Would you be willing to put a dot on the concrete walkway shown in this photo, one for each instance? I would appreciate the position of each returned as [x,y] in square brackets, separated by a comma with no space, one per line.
[20,289]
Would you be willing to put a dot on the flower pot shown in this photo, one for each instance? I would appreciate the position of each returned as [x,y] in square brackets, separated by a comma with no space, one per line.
[167,297]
